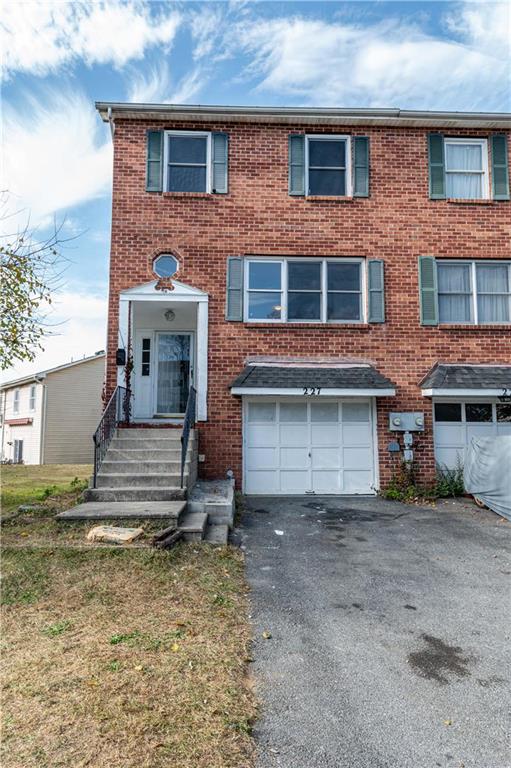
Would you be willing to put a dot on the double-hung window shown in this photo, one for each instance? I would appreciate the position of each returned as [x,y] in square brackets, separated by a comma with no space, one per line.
[16,401]
[31,401]
[466,169]
[474,292]
[187,161]
[305,290]
[328,165]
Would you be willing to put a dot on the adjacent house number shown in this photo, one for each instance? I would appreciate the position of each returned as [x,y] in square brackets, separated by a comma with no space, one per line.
[311,390]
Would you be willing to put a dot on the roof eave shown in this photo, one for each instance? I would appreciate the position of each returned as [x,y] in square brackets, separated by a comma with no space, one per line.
[301,115]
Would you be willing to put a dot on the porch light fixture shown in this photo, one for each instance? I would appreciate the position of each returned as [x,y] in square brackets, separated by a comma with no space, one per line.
[169,315]
[165,265]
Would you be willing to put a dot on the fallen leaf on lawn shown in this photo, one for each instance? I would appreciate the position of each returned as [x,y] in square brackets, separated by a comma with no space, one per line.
[266,634]
[174,647]
[447,722]
[91,682]
[24,533]
[139,667]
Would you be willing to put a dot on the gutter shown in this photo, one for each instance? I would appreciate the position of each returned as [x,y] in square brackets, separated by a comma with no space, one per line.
[293,115]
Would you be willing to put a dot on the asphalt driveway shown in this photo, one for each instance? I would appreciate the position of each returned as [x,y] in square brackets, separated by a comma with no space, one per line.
[390,629]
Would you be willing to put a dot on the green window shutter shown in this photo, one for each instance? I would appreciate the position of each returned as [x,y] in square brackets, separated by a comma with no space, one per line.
[296,157]
[361,166]
[428,290]
[436,166]
[234,303]
[499,167]
[220,183]
[154,170]
[376,291]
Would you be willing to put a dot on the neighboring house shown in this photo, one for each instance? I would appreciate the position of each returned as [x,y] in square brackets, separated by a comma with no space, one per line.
[310,272]
[49,418]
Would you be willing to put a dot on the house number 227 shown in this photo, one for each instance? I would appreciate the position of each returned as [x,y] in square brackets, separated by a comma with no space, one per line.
[311,390]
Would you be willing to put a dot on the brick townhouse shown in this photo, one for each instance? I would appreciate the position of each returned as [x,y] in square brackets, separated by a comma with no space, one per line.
[327,281]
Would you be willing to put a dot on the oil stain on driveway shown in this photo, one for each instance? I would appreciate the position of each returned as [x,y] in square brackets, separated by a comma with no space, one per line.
[390,629]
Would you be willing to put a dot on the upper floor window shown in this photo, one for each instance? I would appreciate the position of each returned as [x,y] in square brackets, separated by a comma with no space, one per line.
[474,292]
[31,401]
[466,169]
[16,401]
[328,165]
[305,290]
[187,162]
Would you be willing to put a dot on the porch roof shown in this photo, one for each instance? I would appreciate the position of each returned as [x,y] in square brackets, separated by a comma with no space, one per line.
[459,379]
[354,380]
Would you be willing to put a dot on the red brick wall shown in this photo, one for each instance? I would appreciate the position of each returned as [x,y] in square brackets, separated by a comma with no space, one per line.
[397,223]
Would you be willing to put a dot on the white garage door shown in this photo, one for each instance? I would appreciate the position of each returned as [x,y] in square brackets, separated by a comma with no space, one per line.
[456,423]
[308,446]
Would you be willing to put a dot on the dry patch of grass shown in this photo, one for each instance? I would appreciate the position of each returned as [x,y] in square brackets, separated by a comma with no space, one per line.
[125,658]
[54,486]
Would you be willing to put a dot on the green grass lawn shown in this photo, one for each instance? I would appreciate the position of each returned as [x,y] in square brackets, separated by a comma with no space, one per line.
[27,484]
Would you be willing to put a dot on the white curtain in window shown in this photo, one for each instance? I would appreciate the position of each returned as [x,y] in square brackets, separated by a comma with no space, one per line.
[454,293]
[459,158]
[493,279]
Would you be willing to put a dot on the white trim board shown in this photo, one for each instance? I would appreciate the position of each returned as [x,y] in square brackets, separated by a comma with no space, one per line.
[463,392]
[319,392]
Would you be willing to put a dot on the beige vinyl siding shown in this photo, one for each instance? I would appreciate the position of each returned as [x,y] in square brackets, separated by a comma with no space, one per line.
[29,433]
[73,410]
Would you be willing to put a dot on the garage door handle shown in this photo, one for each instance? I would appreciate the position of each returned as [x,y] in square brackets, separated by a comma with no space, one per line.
[310,455]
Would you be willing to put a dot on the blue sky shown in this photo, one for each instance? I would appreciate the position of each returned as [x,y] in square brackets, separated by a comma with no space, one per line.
[60,57]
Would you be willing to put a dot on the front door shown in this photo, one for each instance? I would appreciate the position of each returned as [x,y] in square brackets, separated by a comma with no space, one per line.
[173,373]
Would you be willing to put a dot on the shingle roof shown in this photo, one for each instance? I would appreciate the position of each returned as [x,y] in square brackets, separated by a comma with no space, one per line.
[468,377]
[296,377]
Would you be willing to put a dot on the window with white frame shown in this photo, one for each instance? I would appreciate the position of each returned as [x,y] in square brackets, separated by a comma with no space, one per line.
[466,169]
[18,451]
[328,165]
[31,401]
[305,290]
[475,292]
[187,157]
[16,401]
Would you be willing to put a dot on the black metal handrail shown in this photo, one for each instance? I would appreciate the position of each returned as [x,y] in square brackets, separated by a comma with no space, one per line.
[117,410]
[188,423]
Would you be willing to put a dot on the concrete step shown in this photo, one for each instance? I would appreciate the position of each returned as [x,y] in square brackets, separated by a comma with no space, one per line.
[159,432]
[143,443]
[193,525]
[145,480]
[169,493]
[126,510]
[140,467]
[217,534]
[134,454]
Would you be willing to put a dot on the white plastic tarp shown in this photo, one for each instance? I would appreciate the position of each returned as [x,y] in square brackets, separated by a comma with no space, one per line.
[487,472]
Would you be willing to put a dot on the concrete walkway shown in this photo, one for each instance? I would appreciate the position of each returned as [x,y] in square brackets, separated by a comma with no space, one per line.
[390,629]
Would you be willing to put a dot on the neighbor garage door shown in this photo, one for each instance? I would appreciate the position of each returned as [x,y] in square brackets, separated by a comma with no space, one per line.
[456,423]
[308,446]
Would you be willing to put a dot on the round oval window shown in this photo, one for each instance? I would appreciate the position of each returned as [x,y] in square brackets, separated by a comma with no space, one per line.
[165,265]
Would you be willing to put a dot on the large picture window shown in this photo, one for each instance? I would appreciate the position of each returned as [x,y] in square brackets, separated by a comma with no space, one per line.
[304,290]
[474,292]
[328,165]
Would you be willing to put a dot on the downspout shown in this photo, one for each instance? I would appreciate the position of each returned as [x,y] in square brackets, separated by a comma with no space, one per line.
[111,122]
[43,420]
[4,404]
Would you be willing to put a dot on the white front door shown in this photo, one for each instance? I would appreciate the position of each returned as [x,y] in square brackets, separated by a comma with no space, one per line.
[308,446]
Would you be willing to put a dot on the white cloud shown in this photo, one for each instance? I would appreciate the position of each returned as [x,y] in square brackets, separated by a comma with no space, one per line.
[156,86]
[41,37]
[78,327]
[56,154]
[391,63]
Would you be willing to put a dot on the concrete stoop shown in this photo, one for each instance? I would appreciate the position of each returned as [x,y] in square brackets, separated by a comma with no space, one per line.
[216,499]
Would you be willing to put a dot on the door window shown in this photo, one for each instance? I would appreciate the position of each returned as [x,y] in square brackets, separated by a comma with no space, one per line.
[173,373]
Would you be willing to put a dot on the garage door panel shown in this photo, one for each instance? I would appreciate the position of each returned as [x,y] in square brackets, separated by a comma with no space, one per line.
[449,457]
[479,430]
[262,458]
[449,434]
[325,434]
[294,458]
[324,481]
[294,481]
[357,458]
[357,434]
[261,435]
[504,428]
[262,482]
[326,458]
[357,481]
[294,434]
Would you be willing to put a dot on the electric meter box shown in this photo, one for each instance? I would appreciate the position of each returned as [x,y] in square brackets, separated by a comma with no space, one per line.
[406,422]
